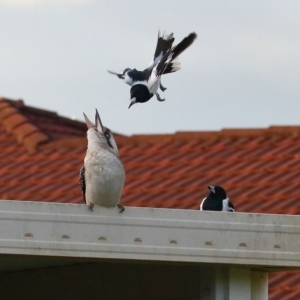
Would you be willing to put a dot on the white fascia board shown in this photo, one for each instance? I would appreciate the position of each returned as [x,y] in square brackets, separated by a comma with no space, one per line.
[155,234]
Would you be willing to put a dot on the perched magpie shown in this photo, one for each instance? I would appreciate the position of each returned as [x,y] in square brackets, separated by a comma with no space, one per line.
[102,176]
[216,200]
[145,84]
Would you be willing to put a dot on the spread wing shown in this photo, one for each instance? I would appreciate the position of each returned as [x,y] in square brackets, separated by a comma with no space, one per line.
[164,43]
[82,182]
[168,63]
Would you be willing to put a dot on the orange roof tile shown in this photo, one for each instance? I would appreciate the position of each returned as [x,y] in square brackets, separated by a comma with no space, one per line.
[41,154]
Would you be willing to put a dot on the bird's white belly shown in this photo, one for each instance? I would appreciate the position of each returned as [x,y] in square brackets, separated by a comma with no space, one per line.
[104,179]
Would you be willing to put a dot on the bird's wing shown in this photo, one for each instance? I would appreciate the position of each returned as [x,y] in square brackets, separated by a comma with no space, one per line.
[201,205]
[164,43]
[127,76]
[134,76]
[82,182]
[228,205]
[185,43]
[157,71]
[121,76]
[169,63]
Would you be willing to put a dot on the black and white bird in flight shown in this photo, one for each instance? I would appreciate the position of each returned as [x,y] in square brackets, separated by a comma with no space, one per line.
[145,84]
[102,176]
[217,200]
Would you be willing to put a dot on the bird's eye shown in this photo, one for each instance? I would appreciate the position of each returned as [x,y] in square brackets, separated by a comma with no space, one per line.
[107,135]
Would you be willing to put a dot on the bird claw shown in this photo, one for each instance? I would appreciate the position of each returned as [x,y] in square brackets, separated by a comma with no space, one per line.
[158,98]
[162,87]
[91,206]
[120,207]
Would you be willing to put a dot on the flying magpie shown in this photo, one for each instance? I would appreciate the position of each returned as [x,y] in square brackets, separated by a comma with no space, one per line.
[217,200]
[145,84]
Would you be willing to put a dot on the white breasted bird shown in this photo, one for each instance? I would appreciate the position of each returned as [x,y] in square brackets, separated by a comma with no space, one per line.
[217,200]
[102,176]
[145,84]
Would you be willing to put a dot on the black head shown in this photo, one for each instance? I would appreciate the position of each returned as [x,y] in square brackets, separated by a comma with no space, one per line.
[139,93]
[217,191]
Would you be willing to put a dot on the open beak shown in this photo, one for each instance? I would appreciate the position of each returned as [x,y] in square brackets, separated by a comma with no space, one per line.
[98,122]
[133,101]
[88,122]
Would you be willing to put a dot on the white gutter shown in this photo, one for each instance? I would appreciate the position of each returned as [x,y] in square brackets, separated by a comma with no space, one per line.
[70,230]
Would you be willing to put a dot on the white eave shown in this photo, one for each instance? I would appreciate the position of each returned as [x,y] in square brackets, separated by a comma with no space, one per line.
[169,235]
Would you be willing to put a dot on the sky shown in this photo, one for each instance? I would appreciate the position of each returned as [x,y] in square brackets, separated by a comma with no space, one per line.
[242,71]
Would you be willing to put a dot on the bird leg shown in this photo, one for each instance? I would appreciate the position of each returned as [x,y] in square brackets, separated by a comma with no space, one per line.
[162,87]
[91,206]
[158,97]
[120,207]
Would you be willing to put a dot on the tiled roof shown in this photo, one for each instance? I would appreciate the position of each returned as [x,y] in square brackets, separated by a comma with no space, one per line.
[41,154]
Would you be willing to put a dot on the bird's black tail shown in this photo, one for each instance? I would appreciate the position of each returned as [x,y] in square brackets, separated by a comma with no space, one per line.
[168,63]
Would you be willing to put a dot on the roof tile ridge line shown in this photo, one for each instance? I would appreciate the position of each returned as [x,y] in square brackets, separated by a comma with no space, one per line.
[31,133]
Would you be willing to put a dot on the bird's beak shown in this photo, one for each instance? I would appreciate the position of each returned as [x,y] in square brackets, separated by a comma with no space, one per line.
[88,122]
[98,122]
[133,101]
[211,188]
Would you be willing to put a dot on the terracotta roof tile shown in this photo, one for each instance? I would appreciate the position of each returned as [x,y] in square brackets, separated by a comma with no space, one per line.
[17,124]
[6,111]
[12,121]
[260,168]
